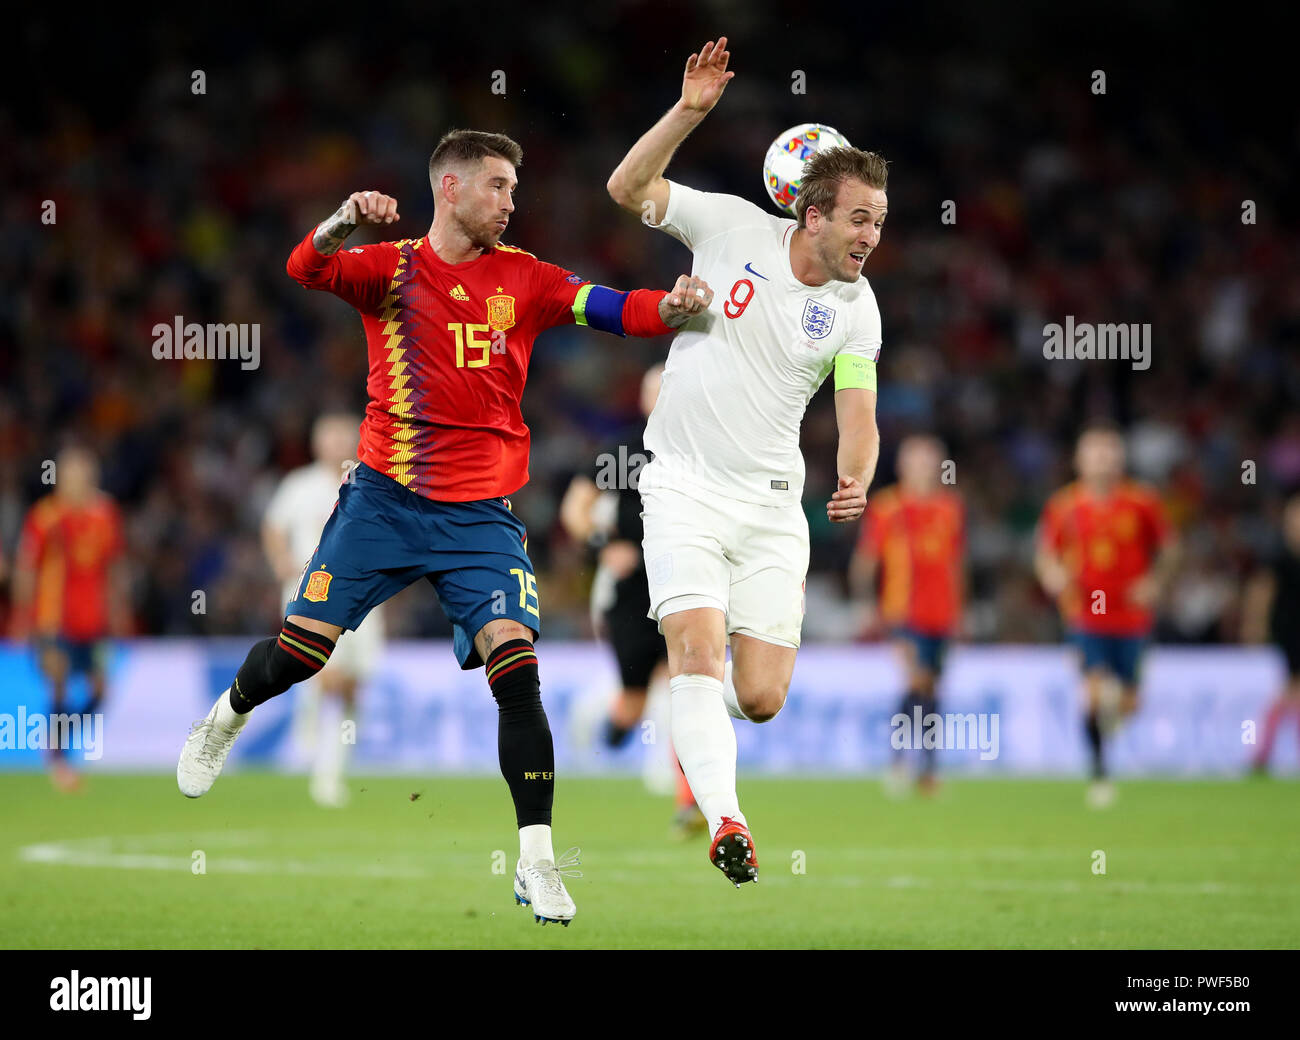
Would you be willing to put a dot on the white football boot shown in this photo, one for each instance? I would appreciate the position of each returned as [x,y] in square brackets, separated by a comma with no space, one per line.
[329,792]
[1100,795]
[207,746]
[540,886]
[897,780]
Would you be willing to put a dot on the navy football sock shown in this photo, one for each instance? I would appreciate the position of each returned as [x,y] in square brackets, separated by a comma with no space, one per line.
[1093,729]
[273,665]
[524,745]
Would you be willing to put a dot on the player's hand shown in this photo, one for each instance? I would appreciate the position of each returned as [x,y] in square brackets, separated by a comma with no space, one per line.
[706,76]
[1254,633]
[620,557]
[689,297]
[1054,578]
[1144,592]
[848,502]
[866,622]
[371,207]
[119,625]
[964,629]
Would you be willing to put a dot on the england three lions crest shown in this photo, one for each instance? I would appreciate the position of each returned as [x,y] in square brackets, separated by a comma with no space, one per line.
[817,320]
[500,313]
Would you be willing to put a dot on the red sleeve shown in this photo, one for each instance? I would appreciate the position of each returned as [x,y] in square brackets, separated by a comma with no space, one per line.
[871,533]
[31,543]
[116,538]
[1157,521]
[554,291]
[360,275]
[557,289]
[1049,531]
[641,313]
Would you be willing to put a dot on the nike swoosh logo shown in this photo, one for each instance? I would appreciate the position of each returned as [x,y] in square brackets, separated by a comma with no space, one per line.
[756,274]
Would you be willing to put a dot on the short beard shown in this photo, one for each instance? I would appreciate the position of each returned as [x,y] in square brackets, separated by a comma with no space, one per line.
[835,270]
[480,238]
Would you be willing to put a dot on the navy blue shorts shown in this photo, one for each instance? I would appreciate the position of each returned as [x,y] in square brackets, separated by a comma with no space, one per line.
[1119,655]
[381,537]
[85,656]
[929,649]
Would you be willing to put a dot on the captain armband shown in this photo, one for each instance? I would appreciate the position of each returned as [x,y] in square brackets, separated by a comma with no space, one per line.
[854,373]
[600,308]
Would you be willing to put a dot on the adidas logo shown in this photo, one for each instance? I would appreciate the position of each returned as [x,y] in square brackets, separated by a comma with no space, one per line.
[458,293]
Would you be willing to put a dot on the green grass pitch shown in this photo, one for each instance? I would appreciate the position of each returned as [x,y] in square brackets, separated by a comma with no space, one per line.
[984,863]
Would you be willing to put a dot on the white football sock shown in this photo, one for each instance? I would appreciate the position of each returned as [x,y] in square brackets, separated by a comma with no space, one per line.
[535,843]
[730,697]
[306,711]
[331,752]
[706,746]
[227,717]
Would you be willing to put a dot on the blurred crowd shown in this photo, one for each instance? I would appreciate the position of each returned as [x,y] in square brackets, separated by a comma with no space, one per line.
[1123,207]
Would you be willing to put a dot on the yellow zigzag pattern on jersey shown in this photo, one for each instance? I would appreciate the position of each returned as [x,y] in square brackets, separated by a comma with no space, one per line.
[515,249]
[399,460]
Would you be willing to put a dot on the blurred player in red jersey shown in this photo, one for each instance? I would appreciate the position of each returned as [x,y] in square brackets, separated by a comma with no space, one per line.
[69,592]
[1271,612]
[913,538]
[450,321]
[1105,553]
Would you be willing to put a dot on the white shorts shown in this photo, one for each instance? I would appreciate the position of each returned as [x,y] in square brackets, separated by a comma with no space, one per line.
[749,561]
[357,651]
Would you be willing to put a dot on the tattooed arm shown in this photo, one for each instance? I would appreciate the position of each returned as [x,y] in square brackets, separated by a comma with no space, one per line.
[360,276]
[361,207]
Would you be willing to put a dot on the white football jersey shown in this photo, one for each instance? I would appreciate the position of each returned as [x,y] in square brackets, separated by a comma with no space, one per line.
[301,504]
[739,377]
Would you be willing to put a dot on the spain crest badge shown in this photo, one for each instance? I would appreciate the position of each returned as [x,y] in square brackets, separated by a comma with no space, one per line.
[500,313]
[318,586]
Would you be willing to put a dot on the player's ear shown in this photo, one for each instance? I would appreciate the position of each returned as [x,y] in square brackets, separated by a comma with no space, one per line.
[450,185]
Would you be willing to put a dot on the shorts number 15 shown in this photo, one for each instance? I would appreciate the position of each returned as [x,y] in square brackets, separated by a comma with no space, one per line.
[527,590]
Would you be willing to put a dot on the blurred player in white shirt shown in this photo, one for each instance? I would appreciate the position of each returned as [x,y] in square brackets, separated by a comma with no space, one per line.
[610,518]
[726,540]
[294,518]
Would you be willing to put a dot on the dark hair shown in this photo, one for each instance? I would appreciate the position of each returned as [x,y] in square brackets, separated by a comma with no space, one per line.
[827,170]
[1102,425]
[464,146]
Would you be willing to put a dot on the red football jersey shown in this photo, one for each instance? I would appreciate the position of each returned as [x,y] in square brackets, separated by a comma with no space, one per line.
[920,543]
[71,549]
[449,346]
[1106,544]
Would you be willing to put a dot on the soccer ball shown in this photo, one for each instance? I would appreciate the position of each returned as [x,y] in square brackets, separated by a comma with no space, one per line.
[783,166]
